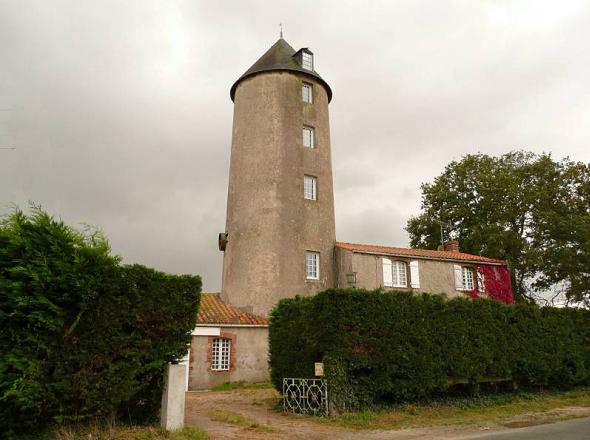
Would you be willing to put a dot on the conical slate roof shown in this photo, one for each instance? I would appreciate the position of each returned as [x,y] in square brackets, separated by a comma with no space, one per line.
[279,58]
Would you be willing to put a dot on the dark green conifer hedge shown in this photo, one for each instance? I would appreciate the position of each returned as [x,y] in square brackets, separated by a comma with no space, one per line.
[83,336]
[397,346]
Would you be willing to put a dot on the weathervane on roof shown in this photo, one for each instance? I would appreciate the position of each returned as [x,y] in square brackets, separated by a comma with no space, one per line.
[281,27]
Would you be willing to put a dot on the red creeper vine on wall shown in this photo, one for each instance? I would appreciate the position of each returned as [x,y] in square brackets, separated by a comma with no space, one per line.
[496,284]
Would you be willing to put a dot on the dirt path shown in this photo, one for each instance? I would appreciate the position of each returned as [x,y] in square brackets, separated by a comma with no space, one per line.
[249,414]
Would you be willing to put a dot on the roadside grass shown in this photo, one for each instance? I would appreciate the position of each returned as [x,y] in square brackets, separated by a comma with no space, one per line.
[95,432]
[512,410]
[233,418]
[228,386]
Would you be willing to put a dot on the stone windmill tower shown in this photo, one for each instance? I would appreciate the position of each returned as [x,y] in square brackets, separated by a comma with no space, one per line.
[280,234]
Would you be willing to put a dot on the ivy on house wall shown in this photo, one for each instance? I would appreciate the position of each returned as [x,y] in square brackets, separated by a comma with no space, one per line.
[497,284]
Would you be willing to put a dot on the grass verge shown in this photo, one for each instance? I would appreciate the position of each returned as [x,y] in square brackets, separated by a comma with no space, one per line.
[236,419]
[512,410]
[85,432]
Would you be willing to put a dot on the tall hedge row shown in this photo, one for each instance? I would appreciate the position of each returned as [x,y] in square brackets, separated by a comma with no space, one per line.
[82,335]
[399,346]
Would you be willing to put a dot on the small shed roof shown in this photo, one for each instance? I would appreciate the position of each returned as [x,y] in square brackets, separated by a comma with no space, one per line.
[417,253]
[213,310]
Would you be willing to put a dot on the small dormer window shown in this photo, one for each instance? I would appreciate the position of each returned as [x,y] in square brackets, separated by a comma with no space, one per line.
[307,60]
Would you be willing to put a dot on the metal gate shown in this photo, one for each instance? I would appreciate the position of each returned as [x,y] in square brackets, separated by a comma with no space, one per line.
[305,396]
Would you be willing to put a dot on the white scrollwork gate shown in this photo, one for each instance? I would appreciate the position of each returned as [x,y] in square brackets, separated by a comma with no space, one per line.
[305,396]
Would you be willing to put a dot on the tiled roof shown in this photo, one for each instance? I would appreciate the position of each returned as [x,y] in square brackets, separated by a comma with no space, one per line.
[213,310]
[418,253]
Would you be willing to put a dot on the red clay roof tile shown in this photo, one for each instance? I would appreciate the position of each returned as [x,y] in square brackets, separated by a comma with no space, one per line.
[425,253]
[213,310]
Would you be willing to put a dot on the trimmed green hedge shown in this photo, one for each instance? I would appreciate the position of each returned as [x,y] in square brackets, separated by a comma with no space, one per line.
[395,346]
[83,336]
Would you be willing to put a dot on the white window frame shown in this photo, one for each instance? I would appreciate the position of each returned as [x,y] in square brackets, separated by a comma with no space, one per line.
[221,354]
[310,187]
[307,92]
[307,60]
[395,273]
[467,278]
[312,265]
[308,136]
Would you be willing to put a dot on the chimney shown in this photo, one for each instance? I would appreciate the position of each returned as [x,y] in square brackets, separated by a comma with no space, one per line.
[452,246]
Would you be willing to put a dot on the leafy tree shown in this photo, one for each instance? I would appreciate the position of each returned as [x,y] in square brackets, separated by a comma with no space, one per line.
[83,336]
[525,208]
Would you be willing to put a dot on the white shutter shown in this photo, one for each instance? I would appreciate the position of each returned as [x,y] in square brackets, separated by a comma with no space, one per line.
[414,274]
[481,283]
[387,272]
[458,277]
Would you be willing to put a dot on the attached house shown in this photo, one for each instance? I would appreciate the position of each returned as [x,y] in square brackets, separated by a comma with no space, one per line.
[227,345]
[230,345]
[447,271]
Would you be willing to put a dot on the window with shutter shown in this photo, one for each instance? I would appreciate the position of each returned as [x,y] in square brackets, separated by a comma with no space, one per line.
[400,276]
[395,273]
[468,283]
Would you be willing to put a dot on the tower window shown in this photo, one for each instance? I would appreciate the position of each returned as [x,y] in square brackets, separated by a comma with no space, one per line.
[310,185]
[220,356]
[312,265]
[308,137]
[307,60]
[307,92]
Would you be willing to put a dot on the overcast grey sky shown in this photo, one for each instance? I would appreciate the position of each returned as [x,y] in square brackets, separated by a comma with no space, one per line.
[121,117]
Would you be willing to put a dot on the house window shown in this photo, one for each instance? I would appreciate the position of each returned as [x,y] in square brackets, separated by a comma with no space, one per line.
[310,186]
[306,93]
[308,137]
[395,273]
[220,355]
[307,60]
[312,265]
[467,277]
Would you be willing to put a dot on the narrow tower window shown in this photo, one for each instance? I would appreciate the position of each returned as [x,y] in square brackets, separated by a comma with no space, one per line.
[307,60]
[308,137]
[312,265]
[310,186]
[307,92]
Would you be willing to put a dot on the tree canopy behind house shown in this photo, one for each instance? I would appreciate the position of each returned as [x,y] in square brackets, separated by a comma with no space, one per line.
[528,209]
[82,335]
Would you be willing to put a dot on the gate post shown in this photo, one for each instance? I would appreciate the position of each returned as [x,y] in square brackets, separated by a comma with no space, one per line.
[173,397]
